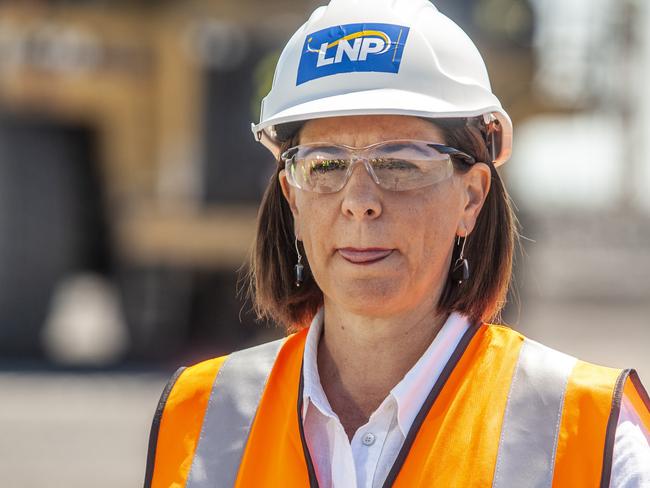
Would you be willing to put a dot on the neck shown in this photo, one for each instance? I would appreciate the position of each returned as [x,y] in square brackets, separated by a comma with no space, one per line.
[360,358]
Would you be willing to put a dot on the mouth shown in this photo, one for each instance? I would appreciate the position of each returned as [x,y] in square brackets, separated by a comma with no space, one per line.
[368,255]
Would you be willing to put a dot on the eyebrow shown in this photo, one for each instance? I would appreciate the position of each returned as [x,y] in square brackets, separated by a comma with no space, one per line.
[399,146]
[389,146]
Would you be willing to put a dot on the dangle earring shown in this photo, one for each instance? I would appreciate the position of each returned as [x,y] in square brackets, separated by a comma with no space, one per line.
[298,268]
[460,270]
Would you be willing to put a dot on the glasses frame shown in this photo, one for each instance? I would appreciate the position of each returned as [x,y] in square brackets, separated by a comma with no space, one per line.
[358,157]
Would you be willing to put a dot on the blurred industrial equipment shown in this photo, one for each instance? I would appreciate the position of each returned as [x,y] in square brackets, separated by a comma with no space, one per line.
[127,161]
[125,150]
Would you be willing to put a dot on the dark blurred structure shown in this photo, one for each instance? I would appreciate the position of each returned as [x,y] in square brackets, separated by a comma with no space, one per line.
[52,219]
[126,151]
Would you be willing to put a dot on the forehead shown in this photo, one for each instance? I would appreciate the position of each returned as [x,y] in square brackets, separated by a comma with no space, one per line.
[363,130]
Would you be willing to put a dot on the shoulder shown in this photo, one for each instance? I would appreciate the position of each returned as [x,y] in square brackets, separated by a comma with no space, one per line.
[195,383]
[591,388]
[179,416]
[191,383]
[599,406]
[542,359]
[618,392]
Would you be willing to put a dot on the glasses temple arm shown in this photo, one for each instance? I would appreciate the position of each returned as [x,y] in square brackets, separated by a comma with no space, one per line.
[454,153]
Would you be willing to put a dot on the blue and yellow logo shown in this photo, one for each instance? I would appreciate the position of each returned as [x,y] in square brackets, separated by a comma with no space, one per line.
[352,47]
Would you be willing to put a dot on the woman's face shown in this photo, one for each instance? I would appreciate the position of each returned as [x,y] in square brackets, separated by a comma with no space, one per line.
[411,232]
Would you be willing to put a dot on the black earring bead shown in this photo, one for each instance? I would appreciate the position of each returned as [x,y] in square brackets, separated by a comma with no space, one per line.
[460,271]
[298,268]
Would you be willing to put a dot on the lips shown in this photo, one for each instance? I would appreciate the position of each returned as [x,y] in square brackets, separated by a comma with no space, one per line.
[364,255]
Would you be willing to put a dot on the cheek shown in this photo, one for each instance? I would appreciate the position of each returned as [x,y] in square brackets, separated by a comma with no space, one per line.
[431,234]
[314,221]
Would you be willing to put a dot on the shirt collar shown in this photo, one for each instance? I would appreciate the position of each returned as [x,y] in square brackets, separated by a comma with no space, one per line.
[312,387]
[410,392]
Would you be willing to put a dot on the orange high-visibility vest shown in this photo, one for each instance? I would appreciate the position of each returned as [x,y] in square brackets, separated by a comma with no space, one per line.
[506,411]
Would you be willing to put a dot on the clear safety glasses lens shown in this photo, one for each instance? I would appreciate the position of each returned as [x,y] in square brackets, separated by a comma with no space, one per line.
[394,165]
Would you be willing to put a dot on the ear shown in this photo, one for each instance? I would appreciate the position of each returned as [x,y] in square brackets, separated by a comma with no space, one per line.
[476,185]
[289,193]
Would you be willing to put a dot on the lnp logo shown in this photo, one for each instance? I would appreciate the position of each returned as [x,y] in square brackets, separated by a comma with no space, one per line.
[352,47]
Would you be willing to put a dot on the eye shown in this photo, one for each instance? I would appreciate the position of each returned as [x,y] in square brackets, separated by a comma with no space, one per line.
[327,165]
[392,164]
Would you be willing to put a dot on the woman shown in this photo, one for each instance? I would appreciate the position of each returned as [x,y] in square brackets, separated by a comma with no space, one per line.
[385,245]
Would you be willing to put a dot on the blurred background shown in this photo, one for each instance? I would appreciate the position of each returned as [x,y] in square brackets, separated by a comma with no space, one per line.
[129,182]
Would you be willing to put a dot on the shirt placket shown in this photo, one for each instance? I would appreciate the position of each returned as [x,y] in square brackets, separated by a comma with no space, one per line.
[343,466]
[368,443]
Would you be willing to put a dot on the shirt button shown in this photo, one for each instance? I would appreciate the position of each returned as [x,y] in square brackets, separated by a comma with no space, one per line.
[368,439]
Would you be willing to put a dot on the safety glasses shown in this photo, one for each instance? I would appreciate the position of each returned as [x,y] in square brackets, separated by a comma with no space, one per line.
[396,165]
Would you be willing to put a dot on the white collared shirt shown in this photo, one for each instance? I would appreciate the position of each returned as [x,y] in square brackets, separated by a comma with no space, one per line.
[366,461]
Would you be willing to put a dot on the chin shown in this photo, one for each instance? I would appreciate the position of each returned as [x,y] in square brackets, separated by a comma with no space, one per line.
[371,298]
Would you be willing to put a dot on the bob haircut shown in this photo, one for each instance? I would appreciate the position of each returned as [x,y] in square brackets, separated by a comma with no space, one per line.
[489,248]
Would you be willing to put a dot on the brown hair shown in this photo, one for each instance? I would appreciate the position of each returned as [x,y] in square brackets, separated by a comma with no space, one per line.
[489,248]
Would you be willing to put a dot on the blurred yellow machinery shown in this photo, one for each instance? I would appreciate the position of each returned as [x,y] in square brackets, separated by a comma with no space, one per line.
[125,148]
[110,150]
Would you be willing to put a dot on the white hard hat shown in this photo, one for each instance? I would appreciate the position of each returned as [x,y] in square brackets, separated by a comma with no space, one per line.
[362,57]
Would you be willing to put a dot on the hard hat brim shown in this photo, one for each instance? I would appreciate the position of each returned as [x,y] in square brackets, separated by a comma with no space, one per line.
[378,102]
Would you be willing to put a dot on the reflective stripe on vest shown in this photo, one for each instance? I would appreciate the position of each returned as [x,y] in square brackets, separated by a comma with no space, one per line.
[506,411]
[531,422]
[233,402]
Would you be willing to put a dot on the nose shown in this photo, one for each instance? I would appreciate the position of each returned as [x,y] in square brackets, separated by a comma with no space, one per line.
[361,195]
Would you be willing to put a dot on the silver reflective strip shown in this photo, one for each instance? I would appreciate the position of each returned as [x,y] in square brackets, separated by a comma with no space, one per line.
[228,418]
[531,422]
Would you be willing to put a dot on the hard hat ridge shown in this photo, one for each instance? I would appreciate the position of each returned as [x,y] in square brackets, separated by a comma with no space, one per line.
[396,5]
